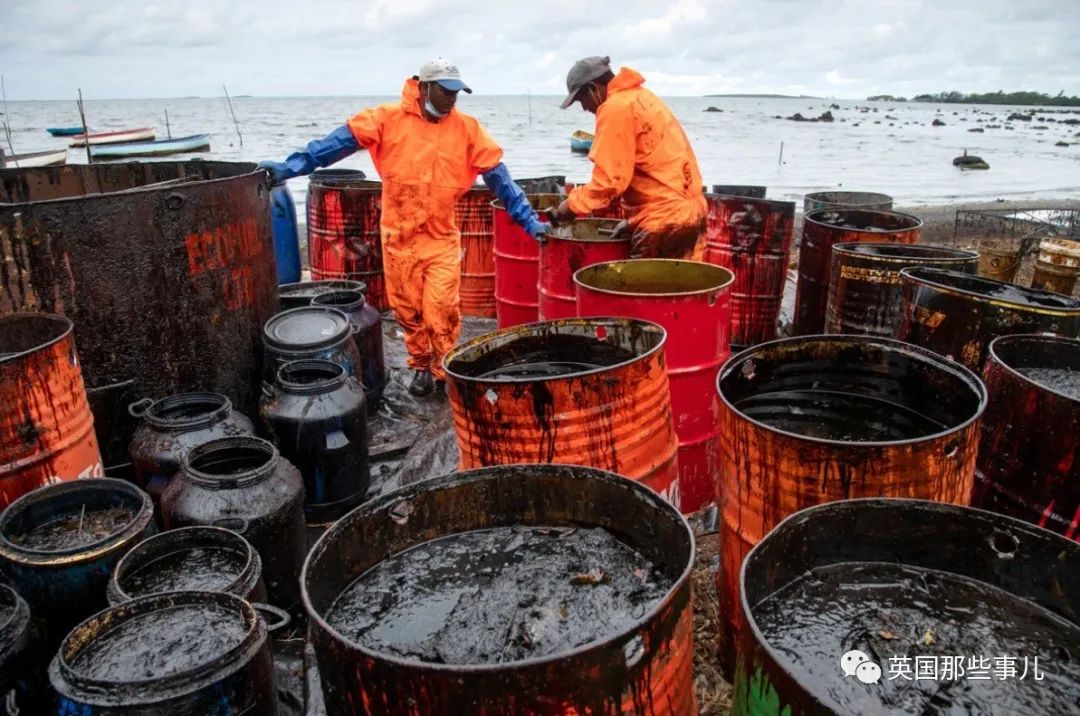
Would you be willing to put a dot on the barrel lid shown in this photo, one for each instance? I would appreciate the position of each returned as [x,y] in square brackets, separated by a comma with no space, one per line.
[307,327]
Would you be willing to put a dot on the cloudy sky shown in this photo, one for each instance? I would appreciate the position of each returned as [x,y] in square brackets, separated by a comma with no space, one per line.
[169,48]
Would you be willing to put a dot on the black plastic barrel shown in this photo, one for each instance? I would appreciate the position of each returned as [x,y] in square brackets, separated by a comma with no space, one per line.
[243,484]
[170,427]
[898,606]
[316,416]
[18,680]
[643,666]
[195,559]
[310,332]
[367,332]
[60,543]
[298,295]
[174,654]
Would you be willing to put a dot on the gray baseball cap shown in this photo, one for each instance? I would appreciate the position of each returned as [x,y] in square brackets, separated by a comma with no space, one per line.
[582,73]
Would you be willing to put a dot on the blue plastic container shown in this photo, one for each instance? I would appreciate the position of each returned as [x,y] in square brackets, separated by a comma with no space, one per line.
[286,236]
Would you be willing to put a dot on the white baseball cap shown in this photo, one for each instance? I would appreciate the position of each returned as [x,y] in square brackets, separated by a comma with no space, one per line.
[444,72]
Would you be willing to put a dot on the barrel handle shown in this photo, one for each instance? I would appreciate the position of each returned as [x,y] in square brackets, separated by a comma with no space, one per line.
[267,391]
[239,525]
[138,408]
[280,617]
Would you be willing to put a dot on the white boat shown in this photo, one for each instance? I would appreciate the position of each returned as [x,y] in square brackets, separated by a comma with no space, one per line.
[50,158]
[122,135]
[161,147]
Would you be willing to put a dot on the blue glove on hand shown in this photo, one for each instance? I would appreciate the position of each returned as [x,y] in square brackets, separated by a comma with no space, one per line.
[513,198]
[538,230]
[319,153]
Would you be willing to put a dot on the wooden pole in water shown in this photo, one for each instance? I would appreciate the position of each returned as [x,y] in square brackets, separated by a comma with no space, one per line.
[529,95]
[168,131]
[780,161]
[233,116]
[86,132]
[7,117]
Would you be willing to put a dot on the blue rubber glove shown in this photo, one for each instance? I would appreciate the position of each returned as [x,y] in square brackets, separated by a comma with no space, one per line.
[514,199]
[319,153]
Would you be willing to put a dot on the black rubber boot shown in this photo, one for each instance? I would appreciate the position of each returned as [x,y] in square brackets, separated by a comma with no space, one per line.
[422,383]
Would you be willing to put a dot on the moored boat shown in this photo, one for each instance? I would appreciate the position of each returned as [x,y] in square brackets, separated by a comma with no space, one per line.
[161,147]
[121,135]
[64,131]
[50,158]
[581,141]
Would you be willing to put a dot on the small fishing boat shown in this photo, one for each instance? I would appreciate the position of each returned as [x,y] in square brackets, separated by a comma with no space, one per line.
[581,141]
[51,158]
[116,137]
[64,131]
[177,145]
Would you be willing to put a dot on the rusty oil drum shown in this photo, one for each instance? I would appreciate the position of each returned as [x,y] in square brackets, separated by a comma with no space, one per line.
[568,248]
[822,230]
[691,301]
[1029,457]
[805,421]
[957,315]
[343,216]
[578,391]
[790,658]
[753,191]
[166,268]
[46,429]
[475,221]
[864,200]
[644,670]
[751,238]
[864,283]
[517,265]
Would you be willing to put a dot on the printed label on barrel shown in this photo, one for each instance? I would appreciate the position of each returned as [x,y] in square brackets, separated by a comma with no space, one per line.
[869,275]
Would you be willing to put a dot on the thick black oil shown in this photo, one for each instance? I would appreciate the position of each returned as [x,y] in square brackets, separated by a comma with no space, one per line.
[160,643]
[1063,380]
[209,569]
[889,610]
[543,356]
[838,416]
[75,529]
[6,612]
[500,595]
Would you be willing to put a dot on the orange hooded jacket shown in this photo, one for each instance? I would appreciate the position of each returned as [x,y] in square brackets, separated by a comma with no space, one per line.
[642,154]
[425,166]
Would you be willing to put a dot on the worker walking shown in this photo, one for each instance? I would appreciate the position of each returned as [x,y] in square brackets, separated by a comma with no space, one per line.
[640,155]
[428,154]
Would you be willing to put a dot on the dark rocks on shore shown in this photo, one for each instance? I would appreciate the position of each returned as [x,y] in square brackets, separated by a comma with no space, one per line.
[1070,121]
[1062,144]
[824,117]
[834,106]
[1020,117]
[993,126]
[970,161]
[976,129]
[713,109]
[937,123]
[1040,127]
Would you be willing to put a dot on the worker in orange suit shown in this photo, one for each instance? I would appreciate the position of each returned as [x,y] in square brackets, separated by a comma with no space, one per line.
[428,154]
[640,155]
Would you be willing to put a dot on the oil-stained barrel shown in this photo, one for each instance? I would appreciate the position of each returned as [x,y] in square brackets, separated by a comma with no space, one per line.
[752,191]
[822,230]
[343,216]
[864,283]
[189,559]
[690,300]
[18,682]
[751,238]
[475,222]
[864,200]
[319,332]
[298,295]
[174,654]
[810,420]
[367,334]
[46,429]
[1058,265]
[580,391]
[957,315]
[567,249]
[840,599]
[1029,456]
[165,268]
[243,484]
[517,265]
[59,545]
[641,665]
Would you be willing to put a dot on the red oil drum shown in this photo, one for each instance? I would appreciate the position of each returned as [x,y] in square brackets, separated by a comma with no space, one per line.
[517,265]
[343,216]
[46,429]
[568,248]
[690,300]
[752,238]
[475,221]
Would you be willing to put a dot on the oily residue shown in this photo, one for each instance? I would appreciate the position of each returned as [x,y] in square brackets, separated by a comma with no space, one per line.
[543,355]
[499,595]
[161,643]
[210,569]
[75,529]
[833,415]
[892,611]
[1061,380]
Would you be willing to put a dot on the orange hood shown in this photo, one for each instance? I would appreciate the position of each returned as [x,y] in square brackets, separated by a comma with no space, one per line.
[626,79]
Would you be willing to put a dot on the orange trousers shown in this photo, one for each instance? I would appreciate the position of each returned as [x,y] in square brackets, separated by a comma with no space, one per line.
[423,280]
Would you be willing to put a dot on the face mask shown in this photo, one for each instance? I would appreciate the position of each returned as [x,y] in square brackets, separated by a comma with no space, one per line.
[430,108]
